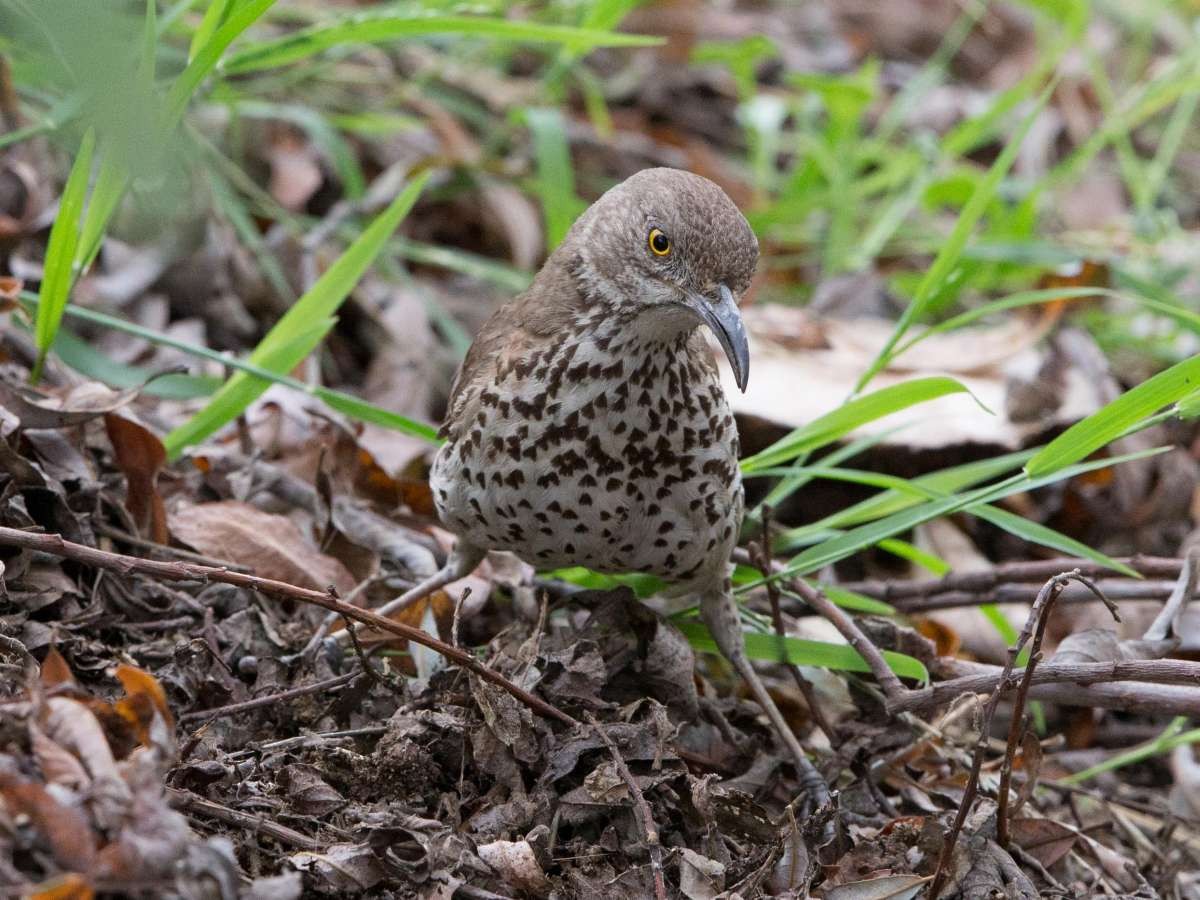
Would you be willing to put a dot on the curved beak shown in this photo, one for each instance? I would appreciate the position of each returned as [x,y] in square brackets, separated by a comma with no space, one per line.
[721,314]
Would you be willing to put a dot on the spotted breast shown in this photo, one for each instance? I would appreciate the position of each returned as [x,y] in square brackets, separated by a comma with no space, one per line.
[606,445]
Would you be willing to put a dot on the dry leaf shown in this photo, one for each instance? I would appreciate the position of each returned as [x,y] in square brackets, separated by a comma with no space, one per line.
[271,545]
[1043,839]
[140,455]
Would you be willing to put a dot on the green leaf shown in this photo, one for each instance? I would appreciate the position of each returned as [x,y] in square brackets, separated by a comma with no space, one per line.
[803,652]
[280,345]
[852,415]
[1112,420]
[207,57]
[59,274]
[202,386]
[856,602]
[106,195]
[213,17]
[1036,533]
[850,542]
[942,271]
[374,29]
[555,184]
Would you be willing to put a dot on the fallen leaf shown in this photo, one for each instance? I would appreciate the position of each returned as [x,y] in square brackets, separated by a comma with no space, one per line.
[516,863]
[71,886]
[889,887]
[140,455]
[269,544]
[64,828]
[1043,839]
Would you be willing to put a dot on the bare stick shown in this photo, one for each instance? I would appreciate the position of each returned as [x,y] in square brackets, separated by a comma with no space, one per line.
[1053,586]
[198,806]
[761,555]
[649,830]
[895,592]
[893,689]
[1016,725]
[55,545]
[977,678]
[316,687]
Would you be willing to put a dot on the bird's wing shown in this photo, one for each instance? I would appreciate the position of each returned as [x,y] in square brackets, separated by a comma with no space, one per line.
[533,320]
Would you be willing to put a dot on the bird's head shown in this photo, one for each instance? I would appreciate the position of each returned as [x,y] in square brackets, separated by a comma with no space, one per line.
[673,248]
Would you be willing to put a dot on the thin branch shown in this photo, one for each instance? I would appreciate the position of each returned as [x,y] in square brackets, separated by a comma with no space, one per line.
[893,689]
[1016,725]
[649,829]
[1036,571]
[316,687]
[761,555]
[1053,586]
[977,678]
[55,545]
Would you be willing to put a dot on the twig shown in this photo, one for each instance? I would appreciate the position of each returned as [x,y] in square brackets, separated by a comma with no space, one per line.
[380,678]
[189,802]
[1016,725]
[55,545]
[978,678]
[269,699]
[649,829]
[895,592]
[761,554]
[893,689]
[1053,586]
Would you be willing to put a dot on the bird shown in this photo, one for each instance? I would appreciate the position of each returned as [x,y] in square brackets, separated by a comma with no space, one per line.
[587,425]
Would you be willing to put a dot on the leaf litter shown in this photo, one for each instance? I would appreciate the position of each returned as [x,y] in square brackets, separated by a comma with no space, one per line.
[190,738]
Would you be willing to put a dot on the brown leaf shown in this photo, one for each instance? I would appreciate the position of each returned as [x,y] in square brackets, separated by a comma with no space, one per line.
[71,886]
[37,410]
[10,290]
[144,701]
[140,456]
[55,670]
[272,545]
[1043,839]
[64,828]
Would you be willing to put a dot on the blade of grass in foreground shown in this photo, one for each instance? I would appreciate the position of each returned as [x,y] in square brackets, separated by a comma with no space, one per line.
[1113,420]
[849,416]
[803,652]
[374,29]
[199,386]
[60,254]
[320,302]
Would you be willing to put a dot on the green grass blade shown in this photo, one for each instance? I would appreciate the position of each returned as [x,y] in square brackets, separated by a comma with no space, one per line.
[950,254]
[373,29]
[1036,533]
[852,415]
[59,272]
[856,602]
[555,176]
[110,187]
[320,302]
[207,57]
[213,17]
[850,542]
[1114,419]
[803,652]
[348,404]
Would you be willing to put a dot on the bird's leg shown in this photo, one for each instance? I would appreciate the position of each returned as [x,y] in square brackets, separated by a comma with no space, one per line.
[719,611]
[459,564]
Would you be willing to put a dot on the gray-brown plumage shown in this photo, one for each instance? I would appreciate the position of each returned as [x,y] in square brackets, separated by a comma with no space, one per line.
[588,426]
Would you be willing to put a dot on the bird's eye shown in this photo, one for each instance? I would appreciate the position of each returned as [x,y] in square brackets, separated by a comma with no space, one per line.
[660,244]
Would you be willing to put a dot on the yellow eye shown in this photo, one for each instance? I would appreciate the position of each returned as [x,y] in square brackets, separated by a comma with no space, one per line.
[660,244]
